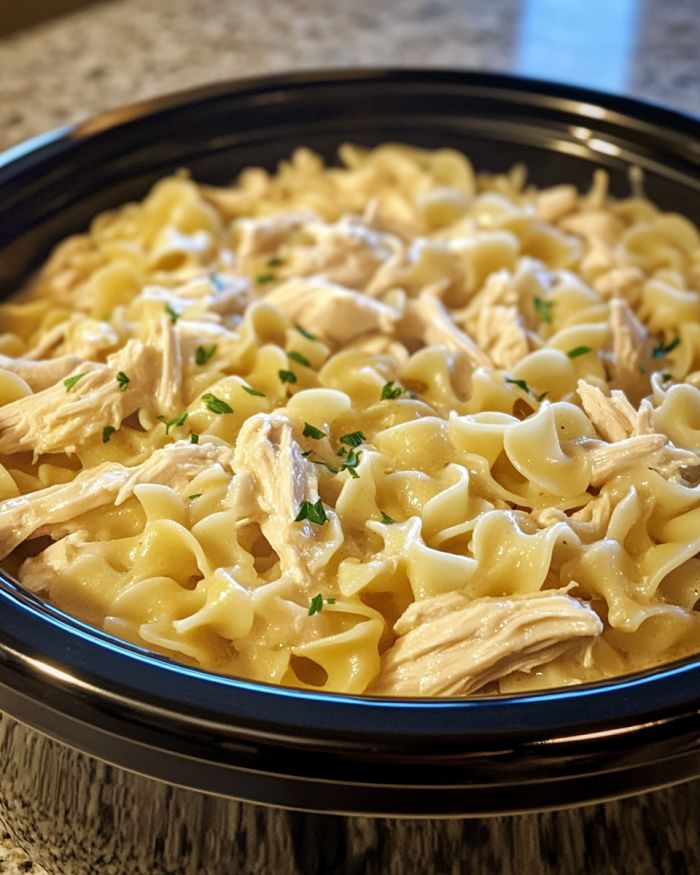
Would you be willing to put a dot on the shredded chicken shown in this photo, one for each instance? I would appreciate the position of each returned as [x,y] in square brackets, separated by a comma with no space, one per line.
[282,480]
[86,338]
[43,373]
[632,360]
[451,646]
[334,313]
[613,416]
[427,317]
[648,450]
[256,237]
[164,338]
[37,513]
[590,522]
[60,418]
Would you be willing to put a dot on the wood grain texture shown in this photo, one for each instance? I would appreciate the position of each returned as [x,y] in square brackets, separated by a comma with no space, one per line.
[76,815]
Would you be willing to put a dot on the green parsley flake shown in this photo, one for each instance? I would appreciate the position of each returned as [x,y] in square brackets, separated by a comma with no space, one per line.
[265,278]
[341,451]
[176,420]
[195,496]
[69,382]
[251,391]
[174,315]
[194,438]
[299,358]
[389,391]
[660,351]
[521,384]
[216,405]
[316,605]
[542,396]
[122,381]
[204,353]
[107,433]
[314,513]
[304,333]
[313,432]
[217,282]
[387,520]
[351,462]
[275,261]
[287,376]
[354,439]
[578,350]
[544,309]
[666,377]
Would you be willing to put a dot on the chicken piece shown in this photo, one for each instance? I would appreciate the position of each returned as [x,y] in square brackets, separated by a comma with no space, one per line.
[164,338]
[647,450]
[595,227]
[86,338]
[347,252]
[38,513]
[38,572]
[632,360]
[493,319]
[282,480]
[553,203]
[450,645]
[61,418]
[257,237]
[331,311]
[613,416]
[428,319]
[42,373]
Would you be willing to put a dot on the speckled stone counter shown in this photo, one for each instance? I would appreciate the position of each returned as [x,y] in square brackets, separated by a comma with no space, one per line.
[126,50]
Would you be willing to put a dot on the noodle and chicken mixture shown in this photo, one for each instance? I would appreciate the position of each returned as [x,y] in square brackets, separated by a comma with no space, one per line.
[389,428]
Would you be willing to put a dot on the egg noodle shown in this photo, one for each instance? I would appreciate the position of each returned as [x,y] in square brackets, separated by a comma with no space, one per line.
[390,427]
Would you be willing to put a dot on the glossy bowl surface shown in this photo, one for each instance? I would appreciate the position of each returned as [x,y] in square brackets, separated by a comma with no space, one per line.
[298,749]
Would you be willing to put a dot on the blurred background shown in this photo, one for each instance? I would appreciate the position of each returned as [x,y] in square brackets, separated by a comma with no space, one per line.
[62,60]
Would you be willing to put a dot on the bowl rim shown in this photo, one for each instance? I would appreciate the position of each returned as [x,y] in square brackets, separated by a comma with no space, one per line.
[101,681]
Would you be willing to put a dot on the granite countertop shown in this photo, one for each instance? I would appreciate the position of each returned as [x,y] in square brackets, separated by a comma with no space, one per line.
[126,50]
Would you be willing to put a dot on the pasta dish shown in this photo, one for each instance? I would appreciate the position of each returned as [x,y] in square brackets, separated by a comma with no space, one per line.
[390,427]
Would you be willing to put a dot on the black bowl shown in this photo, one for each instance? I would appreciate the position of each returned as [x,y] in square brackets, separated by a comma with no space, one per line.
[102,701]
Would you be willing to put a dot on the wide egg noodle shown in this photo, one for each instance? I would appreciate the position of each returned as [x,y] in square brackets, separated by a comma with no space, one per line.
[489,391]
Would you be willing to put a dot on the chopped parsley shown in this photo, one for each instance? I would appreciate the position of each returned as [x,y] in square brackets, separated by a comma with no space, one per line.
[661,350]
[314,513]
[216,405]
[265,278]
[107,433]
[666,377]
[341,451]
[69,382]
[194,438]
[298,357]
[251,391]
[204,353]
[275,261]
[354,439]
[544,309]
[304,333]
[174,315]
[217,282]
[287,376]
[390,391]
[176,420]
[350,463]
[122,381]
[387,520]
[578,350]
[313,432]
[521,384]
[195,496]
[316,604]
[542,396]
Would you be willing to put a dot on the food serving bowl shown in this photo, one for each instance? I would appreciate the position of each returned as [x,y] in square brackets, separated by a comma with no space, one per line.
[116,757]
